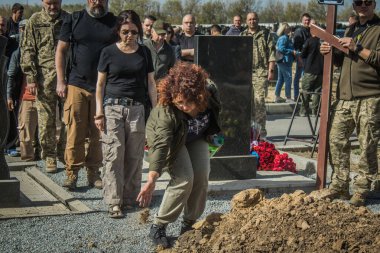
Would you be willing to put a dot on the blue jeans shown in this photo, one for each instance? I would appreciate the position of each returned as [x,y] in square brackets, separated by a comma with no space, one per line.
[297,77]
[284,75]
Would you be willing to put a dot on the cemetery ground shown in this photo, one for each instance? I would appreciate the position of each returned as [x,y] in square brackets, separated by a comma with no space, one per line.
[252,221]
[291,223]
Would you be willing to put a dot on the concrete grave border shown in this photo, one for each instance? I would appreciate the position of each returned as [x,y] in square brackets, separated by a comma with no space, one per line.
[73,204]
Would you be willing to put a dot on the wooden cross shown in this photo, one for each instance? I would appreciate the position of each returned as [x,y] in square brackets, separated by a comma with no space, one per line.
[327,36]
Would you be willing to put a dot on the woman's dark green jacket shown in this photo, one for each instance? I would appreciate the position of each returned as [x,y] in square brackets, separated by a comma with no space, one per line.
[166,131]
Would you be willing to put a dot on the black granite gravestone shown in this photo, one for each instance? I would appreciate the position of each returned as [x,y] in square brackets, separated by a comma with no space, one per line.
[4,170]
[9,187]
[228,60]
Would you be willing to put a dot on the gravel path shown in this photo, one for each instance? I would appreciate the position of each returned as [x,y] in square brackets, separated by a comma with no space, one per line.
[93,232]
[96,232]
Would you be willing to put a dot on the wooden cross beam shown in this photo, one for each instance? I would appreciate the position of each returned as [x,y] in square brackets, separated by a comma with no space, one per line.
[327,37]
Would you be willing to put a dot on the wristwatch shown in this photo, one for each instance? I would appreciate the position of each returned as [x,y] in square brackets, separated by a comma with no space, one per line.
[358,48]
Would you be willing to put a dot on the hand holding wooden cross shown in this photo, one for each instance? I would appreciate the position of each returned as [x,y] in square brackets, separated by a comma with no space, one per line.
[327,37]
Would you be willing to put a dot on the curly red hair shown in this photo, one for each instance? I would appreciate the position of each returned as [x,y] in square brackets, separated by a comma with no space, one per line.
[186,80]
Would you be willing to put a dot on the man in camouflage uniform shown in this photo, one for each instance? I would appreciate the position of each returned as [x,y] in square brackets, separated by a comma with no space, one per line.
[38,63]
[357,106]
[263,68]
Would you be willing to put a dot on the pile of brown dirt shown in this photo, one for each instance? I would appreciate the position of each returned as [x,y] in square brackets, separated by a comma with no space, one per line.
[292,223]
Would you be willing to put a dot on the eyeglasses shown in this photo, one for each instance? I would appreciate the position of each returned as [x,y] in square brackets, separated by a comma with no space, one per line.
[127,32]
[360,3]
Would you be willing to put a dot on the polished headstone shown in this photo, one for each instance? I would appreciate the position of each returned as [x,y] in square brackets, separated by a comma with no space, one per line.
[4,113]
[228,60]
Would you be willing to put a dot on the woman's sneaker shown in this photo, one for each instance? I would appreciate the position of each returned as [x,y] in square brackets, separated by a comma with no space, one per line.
[289,100]
[13,153]
[279,100]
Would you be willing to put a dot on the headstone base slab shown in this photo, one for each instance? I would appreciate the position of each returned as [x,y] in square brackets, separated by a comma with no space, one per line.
[233,167]
[10,190]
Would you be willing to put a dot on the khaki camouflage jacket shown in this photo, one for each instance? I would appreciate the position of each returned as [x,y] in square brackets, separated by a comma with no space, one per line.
[264,48]
[38,46]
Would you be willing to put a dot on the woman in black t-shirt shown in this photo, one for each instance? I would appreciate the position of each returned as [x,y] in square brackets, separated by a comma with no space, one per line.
[123,70]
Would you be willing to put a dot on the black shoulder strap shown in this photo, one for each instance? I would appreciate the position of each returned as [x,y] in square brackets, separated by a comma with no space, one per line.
[145,56]
[75,17]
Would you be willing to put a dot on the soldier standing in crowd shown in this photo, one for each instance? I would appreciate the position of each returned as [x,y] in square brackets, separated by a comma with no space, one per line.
[147,26]
[186,39]
[357,106]
[162,53]
[27,115]
[37,62]
[87,32]
[236,28]
[13,22]
[301,34]
[263,68]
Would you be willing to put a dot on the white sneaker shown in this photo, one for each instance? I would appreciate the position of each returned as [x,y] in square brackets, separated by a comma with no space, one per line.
[279,100]
[289,100]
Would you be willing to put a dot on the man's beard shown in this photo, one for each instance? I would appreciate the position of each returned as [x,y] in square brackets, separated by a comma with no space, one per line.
[97,11]
[53,14]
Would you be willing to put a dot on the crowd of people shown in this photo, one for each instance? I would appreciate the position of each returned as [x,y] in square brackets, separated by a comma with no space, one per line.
[91,88]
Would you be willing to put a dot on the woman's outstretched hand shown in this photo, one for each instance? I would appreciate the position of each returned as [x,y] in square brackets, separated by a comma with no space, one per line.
[146,193]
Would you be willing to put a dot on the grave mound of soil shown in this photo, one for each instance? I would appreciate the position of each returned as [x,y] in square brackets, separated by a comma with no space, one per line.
[291,223]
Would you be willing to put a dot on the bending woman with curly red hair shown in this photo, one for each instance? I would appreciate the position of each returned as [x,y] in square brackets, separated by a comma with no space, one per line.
[177,128]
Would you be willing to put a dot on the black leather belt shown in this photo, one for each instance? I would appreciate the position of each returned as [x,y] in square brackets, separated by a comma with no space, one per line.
[121,101]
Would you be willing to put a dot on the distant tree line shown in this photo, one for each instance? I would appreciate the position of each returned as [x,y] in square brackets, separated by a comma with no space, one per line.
[211,11]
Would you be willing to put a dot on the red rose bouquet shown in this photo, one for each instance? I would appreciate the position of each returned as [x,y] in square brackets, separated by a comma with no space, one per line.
[271,160]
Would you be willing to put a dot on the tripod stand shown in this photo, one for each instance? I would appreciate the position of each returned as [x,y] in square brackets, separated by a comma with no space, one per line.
[313,138]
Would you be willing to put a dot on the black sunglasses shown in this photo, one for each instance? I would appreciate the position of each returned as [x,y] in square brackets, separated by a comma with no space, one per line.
[126,32]
[359,3]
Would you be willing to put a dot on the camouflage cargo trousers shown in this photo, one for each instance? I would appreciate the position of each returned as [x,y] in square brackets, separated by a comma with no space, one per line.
[258,110]
[47,101]
[364,115]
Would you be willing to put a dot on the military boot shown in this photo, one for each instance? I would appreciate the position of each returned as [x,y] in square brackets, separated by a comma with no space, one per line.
[71,180]
[61,159]
[50,165]
[358,199]
[333,193]
[375,190]
[93,178]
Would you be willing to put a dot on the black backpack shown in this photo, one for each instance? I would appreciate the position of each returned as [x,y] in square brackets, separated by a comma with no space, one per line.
[75,17]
